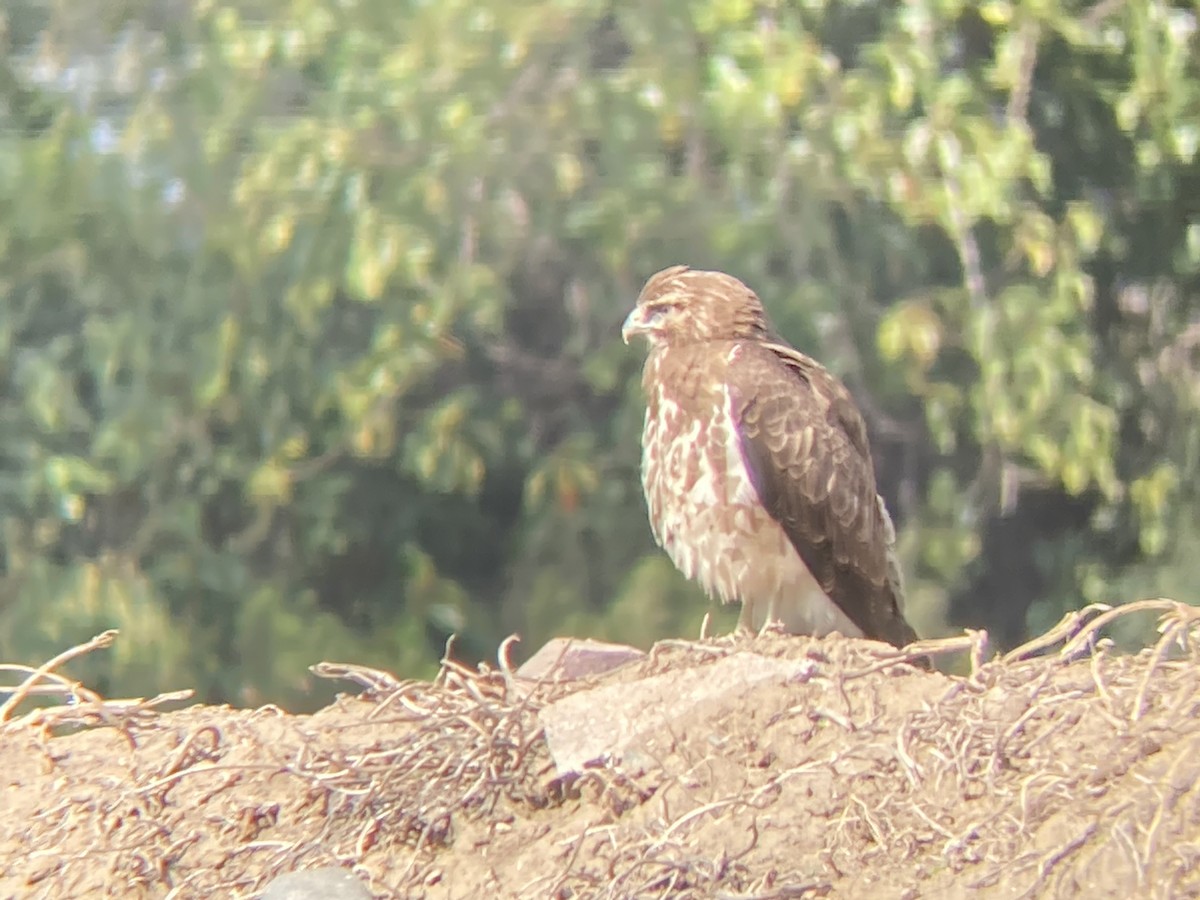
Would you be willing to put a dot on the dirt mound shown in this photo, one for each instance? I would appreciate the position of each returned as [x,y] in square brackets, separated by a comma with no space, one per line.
[857,775]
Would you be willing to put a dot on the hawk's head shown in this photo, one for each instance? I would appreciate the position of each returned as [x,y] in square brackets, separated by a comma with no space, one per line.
[683,306]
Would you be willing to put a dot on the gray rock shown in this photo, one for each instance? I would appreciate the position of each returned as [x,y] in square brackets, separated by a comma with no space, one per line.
[567,659]
[617,721]
[327,883]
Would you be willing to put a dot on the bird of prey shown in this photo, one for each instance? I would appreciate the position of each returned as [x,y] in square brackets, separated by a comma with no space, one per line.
[756,468]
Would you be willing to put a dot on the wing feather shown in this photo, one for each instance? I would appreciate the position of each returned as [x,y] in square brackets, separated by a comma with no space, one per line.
[805,444]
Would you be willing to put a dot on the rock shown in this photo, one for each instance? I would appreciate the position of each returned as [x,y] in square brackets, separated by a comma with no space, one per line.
[327,883]
[567,659]
[615,721]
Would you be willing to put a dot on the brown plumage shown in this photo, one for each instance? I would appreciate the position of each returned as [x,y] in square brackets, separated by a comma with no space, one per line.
[756,468]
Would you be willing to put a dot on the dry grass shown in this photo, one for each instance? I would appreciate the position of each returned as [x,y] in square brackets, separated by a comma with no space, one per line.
[1057,769]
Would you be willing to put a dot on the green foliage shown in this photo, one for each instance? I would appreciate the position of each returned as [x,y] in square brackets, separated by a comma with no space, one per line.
[308,336]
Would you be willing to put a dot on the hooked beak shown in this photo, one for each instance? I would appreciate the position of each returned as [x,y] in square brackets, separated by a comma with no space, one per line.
[635,324]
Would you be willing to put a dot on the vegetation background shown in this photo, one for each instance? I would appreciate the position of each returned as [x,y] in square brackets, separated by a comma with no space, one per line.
[309,309]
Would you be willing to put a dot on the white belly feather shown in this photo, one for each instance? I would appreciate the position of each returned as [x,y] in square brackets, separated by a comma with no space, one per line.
[706,514]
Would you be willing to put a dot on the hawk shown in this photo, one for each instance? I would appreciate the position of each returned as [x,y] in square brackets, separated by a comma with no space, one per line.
[756,468]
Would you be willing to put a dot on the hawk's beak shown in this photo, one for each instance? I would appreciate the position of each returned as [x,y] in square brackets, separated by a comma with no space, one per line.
[635,323]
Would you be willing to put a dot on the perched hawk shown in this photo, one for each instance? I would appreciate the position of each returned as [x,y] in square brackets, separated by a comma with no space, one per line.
[756,467]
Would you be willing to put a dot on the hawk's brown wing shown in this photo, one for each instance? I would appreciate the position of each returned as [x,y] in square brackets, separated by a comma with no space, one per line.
[805,444]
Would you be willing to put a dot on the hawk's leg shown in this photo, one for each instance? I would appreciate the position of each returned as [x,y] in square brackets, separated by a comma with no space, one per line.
[772,624]
[745,623]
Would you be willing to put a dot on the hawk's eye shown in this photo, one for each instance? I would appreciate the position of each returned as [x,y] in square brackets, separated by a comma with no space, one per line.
[654,313]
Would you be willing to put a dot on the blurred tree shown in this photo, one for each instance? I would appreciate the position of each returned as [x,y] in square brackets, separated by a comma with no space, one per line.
[308,339]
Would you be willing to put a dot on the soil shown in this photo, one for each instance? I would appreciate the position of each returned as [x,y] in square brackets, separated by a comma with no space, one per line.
[1061,769]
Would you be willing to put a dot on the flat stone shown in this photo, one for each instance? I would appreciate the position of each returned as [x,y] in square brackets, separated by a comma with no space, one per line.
[326,883]
[568,659]
[609,722]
